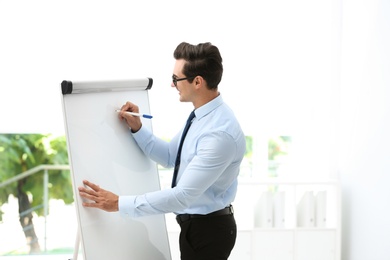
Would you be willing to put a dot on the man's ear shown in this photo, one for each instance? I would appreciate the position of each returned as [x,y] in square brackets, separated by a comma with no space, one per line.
[199,81]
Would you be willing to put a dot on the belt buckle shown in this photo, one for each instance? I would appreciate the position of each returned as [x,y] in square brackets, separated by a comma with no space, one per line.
[231,209]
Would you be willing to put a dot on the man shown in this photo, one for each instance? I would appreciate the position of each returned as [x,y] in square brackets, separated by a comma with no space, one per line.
[205,182]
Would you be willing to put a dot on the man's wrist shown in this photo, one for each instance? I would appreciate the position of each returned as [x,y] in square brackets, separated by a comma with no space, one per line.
[135,130]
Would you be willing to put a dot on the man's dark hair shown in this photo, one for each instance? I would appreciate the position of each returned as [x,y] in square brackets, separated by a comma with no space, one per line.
[203,60]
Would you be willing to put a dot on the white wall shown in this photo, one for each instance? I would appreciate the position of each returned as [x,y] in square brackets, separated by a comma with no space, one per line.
[277,54]
[365,130]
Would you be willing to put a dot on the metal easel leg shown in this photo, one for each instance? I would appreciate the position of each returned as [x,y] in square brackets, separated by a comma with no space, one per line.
[76,245]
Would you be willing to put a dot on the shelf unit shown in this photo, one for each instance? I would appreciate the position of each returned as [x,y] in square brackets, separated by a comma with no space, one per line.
[289,241]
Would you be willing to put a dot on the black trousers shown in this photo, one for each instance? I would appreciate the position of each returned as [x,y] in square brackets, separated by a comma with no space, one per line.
[208,238]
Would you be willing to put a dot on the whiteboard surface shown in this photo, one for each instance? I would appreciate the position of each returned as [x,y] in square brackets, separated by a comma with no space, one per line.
[102,150]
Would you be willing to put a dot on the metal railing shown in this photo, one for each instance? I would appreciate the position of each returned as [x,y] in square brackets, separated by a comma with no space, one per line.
[45,168]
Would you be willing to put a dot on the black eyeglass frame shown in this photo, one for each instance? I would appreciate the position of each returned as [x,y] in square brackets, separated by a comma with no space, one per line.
[175,80]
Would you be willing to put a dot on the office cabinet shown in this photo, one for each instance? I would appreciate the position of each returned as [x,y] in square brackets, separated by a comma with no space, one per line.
[273,245]
[296,220]
[315,244]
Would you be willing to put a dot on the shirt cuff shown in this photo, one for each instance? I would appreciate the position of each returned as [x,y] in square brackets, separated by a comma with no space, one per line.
[142,135]
[126,206]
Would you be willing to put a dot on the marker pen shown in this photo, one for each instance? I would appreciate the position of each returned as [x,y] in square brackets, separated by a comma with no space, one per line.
[136,114]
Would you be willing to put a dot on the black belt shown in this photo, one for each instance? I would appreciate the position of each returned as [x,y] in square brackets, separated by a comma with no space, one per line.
[185,217]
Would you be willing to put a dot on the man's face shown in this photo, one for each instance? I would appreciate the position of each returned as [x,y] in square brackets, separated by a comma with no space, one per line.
[183,86]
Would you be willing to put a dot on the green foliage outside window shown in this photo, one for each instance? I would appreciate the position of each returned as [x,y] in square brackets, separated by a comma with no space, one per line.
[278,150]
[21,152]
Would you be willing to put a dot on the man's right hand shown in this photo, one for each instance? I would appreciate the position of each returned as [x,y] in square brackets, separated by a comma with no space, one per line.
[134,122]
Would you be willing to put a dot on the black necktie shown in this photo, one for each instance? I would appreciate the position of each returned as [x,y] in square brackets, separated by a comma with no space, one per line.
[177,162]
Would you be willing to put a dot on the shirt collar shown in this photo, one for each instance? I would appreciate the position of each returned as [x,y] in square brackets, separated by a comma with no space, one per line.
[208,107]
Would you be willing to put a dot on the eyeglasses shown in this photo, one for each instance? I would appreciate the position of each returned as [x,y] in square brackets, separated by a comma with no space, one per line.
[175,80]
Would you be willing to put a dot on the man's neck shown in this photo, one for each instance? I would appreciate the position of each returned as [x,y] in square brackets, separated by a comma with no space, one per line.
[205,98]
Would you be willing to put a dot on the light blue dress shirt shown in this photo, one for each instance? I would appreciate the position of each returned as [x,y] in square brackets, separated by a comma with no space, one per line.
[210,162]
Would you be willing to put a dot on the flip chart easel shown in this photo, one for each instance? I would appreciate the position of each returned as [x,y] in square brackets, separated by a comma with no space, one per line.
[101,149]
